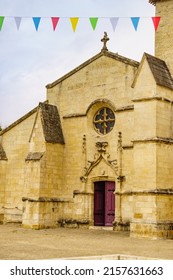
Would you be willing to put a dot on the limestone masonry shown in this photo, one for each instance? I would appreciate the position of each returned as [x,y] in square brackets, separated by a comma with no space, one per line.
[99,151]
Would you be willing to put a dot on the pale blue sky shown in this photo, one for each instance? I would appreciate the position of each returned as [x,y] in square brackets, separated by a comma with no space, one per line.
[29,60]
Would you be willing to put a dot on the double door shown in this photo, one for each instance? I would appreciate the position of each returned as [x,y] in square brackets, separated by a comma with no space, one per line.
[104,203]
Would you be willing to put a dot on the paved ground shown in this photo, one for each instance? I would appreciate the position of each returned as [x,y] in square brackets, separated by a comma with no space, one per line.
[18,243]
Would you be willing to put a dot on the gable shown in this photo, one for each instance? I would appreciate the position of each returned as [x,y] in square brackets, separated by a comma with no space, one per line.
[105,77]
[155,67]
[114,56]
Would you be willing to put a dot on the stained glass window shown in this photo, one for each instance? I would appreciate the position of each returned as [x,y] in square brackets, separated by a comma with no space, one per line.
[104,120]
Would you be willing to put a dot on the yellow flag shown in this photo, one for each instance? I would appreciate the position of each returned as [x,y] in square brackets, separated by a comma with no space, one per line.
[74,22]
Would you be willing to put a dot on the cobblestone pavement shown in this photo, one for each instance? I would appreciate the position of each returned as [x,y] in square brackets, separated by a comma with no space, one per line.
[17,243]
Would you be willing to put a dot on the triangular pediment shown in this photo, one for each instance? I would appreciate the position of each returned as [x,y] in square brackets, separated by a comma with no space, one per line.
[101,165]
[103,168]
[111,55]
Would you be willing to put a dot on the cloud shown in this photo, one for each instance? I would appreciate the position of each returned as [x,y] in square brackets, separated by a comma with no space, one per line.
[29,60]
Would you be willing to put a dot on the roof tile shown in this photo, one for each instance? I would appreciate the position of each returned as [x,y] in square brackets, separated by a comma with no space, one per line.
[160,71]
[51,123]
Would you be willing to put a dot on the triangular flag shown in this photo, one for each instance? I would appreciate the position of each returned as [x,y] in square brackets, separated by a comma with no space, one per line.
[36,21]
[74,22]
[18,21]
[54,22]
[93,22]
[114,21]
[1,22]
[135,21]
[156,21]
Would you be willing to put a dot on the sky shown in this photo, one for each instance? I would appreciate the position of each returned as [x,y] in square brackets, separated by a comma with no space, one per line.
[30,59]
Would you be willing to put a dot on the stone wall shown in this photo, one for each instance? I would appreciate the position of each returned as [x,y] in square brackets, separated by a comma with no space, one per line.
[15,144]
[164,38]
[104,82]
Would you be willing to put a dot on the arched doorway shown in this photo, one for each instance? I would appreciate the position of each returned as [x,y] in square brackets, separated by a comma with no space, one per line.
[104,203]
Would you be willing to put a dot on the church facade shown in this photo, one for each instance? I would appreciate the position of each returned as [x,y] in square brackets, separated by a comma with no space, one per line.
[99,151]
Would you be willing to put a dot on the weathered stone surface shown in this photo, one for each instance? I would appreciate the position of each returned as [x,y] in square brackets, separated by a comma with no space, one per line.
[34,156]
[51,123]
[2,153]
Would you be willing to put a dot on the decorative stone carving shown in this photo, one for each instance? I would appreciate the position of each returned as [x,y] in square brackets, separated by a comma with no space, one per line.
[105,39]
[98,157]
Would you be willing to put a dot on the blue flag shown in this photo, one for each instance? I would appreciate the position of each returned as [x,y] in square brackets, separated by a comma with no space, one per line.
[135,21]
[36,21]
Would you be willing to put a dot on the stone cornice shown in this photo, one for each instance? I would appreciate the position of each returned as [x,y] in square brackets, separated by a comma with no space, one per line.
[155,140]
[125,108]
[117,110]
[127,147]
[158,98]
[78,115]
[46,199]
[147,192]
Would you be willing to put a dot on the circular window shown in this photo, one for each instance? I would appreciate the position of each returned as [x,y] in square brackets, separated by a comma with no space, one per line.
[104,120]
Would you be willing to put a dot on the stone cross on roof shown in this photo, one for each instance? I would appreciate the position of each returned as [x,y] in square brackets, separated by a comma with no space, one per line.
[104,40]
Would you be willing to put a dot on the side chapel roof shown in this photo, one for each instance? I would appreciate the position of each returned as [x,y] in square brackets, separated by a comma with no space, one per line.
[50,120]
[160,71]
[51,123]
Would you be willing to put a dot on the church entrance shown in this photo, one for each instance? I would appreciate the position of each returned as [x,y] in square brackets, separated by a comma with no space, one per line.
[104,203]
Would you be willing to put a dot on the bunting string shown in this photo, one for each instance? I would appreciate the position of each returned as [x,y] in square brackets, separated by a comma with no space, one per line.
[75,20]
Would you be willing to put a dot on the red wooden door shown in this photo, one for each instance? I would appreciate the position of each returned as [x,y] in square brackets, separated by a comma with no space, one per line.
[109,203]
[104,203]
[99,204]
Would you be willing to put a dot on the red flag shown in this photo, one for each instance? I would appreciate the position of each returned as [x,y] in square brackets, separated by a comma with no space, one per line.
[54,22]
[156,21]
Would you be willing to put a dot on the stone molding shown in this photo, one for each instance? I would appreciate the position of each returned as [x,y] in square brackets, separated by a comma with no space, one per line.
[99,156]
[46,199]
[35,156]
[147,192]
[155,140]
[158,98]
[117,110]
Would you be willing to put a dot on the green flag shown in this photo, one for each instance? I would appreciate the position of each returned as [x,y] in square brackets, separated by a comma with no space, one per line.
[1,22]
[93,22]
